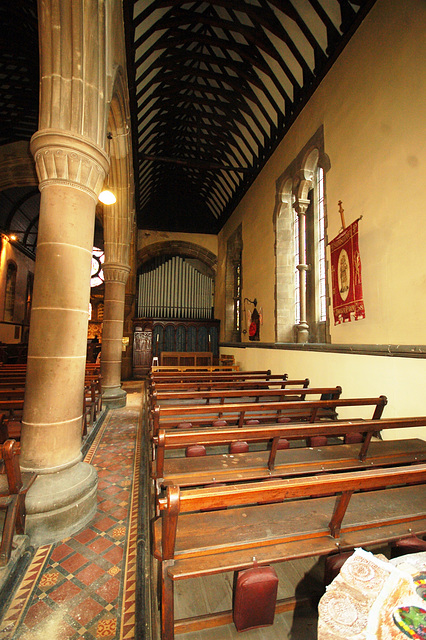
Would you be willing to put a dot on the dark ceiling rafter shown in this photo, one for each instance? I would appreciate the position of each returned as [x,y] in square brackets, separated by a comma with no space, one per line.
[215,84]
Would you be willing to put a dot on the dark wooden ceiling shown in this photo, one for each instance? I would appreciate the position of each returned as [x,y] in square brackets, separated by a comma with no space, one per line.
[214,86]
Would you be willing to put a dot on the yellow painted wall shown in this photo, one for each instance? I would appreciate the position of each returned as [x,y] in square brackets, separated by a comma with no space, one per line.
[401,380]
[371,105]
[24,265]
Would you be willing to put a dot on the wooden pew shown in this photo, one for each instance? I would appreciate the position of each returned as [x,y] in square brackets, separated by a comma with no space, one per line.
[13,489]
[181,398]
[225,376]
[239,413]
[210,374]
[268,463]
[12,405]
[235,384]
[269,522]
[92,402]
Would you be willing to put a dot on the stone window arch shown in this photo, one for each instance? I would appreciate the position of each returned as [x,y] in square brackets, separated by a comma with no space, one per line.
[301,237]
[233,286]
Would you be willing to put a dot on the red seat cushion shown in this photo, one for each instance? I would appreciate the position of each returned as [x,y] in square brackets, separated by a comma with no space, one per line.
[252,421]
[283,443]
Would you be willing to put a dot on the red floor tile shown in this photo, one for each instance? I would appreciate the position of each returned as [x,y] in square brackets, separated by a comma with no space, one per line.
[73,563]
[109,590]
[86,611]
[90,574]
[65,592]
[85,536]
[36,614]
[112,490]
[100,545]
[107,505]
[60,552]
[104,524]
[115,555]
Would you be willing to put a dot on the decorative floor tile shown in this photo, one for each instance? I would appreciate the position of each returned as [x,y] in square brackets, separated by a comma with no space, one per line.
[83,588]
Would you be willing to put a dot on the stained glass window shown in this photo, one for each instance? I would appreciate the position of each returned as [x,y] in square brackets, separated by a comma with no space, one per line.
[97,275]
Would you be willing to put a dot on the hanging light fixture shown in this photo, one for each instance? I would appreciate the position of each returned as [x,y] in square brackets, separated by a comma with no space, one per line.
[106,196]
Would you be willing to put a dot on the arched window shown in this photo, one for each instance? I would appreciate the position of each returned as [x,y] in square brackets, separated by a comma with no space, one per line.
[9,301]
[29,297]
[301,239]
[233,287]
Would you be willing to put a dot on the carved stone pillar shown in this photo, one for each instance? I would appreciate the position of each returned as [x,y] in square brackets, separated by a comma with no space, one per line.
[129,312]
[302,327]
[71,171]
[115,277]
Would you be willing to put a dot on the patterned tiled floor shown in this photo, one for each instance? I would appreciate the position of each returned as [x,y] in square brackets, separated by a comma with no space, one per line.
[84,586]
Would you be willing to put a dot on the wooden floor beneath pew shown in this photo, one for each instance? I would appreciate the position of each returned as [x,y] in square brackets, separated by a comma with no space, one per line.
[200,596]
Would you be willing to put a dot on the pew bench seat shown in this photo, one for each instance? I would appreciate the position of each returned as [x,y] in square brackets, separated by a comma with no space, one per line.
[242,467]
[241,525]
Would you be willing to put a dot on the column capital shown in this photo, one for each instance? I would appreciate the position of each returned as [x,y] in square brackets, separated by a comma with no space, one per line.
[301,206]
[114,272]
[65,158]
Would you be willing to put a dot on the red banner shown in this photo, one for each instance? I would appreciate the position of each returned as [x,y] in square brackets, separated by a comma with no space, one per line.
[346,276]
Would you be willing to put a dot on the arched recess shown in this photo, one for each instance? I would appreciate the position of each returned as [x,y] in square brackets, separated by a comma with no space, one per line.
[176,292]
[118,219]
[178,248]
[296,201]
[284,263]
[118,222]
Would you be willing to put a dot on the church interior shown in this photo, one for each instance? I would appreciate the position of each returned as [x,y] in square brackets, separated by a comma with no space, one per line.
[212,415]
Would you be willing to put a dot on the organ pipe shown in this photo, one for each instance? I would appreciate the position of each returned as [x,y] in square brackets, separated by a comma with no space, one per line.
[175,289]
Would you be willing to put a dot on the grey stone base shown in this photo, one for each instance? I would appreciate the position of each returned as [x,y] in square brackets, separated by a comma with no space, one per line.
[114,397]
[60,504]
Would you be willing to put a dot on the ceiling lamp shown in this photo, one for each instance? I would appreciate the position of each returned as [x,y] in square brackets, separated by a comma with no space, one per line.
[107,197]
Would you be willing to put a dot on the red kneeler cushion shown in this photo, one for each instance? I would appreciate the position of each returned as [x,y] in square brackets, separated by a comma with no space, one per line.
[412,544]
[283,443]
[333,564]
[254,597]
[195,451]
[353,438]
[184,425]
[316,441]
[238,447]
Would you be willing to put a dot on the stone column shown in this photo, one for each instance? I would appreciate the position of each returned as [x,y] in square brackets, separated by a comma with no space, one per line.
[302,327]
[129,311]
[71,172]
[115,277]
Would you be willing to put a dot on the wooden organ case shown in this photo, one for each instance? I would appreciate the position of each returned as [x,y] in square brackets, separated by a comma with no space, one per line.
[175,312]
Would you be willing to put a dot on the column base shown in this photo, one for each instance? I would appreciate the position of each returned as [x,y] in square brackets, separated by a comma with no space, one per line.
[60,504]
[302,332]
[114,397]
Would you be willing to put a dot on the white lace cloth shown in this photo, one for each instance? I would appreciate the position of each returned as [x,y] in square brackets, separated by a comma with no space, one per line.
[359,603]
